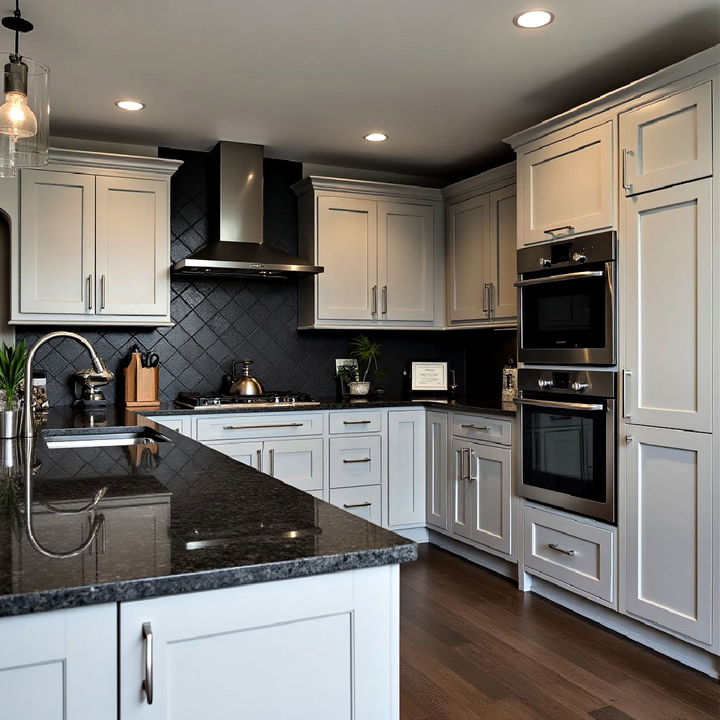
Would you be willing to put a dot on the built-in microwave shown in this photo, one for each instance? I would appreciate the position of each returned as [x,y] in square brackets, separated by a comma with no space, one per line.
[567,302]
[567,439]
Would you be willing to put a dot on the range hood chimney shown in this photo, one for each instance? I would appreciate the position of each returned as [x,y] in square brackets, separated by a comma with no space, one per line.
[238,215]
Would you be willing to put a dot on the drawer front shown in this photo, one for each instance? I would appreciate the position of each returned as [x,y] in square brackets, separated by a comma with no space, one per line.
[571,551]
[361,501]
[249,453]
[181,424]
[355,422]
[355,461]
[253,425]
[478,427]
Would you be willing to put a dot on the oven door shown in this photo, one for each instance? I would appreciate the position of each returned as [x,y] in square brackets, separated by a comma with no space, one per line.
[568,454]
[568,318]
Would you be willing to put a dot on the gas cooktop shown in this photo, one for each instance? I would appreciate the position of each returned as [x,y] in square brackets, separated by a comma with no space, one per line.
[208,401]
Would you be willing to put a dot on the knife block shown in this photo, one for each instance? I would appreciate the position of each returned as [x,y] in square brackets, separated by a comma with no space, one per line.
[142,385]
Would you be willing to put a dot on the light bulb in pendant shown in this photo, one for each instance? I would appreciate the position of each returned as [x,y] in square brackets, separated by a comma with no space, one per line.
[16,118]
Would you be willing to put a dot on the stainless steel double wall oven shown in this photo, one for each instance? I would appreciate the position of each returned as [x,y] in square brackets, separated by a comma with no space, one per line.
[567,309]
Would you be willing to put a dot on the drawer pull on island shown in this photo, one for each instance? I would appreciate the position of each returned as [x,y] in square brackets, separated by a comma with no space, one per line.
[557,548]
[254,427]
[476,427]
[356,422]
[357,505]
[148,681]
[357,460]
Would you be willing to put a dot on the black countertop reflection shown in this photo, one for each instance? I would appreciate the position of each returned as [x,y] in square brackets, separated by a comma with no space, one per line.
[171,517]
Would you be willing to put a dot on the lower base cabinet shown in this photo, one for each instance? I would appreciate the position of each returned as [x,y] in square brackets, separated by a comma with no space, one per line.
[436,448]
[406,468]
[316,647]
[364,501]
[669,547]
[59,664]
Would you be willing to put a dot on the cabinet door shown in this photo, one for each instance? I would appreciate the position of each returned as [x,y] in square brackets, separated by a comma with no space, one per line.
[364,501]
[668,306]
[60,664]
[567,186]
[57,242]
[491,483]
[133,248]
[436,443]
[250,453]
[406,468]
[468,256]
[461,492]
[503,254]
[347,249]
[667,142]
[668,528]
[406,266]
[297,462]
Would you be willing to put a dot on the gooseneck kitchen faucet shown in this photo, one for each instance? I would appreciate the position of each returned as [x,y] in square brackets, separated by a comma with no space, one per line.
[97,361]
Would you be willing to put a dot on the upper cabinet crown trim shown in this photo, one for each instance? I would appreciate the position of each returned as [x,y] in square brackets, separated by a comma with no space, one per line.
[484,182]
[694,64]
[111,161]
[367,187]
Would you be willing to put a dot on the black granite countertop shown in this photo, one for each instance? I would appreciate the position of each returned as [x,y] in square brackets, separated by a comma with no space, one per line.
[486,406]
[173,516]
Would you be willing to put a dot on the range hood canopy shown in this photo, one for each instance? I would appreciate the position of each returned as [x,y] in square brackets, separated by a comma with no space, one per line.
[237,191]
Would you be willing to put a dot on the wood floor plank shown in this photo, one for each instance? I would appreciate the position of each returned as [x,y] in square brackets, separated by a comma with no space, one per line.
[473,646]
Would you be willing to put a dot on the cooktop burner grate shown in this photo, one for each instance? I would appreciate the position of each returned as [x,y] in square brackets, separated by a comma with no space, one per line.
[214,400]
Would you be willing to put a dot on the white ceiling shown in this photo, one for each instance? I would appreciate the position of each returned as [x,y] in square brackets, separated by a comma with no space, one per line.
[447,79]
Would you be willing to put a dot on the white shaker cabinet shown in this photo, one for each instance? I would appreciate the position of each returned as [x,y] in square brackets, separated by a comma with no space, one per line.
[668,141]
[436,449]
[566,186]
[668,255]
[92,242]
[502,293]
[406,468]
[669,560]
[381,250]
[60,664]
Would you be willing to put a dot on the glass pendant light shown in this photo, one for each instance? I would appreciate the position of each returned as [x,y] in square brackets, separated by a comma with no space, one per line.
[25,112]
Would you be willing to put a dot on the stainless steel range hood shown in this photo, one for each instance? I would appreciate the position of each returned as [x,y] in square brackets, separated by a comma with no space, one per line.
[237,192]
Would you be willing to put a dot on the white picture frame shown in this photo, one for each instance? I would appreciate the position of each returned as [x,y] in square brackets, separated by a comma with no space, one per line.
[428,376]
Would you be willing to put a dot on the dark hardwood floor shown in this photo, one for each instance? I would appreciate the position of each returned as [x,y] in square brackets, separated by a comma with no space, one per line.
[473,646]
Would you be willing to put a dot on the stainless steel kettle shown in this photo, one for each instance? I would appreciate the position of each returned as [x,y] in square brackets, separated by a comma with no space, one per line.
[245,384]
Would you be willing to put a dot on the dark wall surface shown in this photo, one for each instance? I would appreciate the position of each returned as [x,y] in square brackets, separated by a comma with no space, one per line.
[223,319]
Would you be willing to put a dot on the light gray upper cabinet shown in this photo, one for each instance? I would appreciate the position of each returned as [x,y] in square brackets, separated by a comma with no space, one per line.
[92,245]
[565,185]
[481,249]
[668,141]
[381,249]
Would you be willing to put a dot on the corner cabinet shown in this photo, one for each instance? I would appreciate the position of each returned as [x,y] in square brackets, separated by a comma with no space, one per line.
[381,249]
[481,250]
[91,241]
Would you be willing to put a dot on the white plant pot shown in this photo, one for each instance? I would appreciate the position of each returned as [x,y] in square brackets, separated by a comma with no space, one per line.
[359,388]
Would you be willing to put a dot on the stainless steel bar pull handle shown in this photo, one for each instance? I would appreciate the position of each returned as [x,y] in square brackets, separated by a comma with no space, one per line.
[253,427]
[356,422]
[559,549]
[568,230]
[102,292]
[271,453]
[90,292]
[384,299]
[357,505]
[626,186]
[476,427]
[594,407]
[627,377]
[148,680]
[470,464]
[357,460]
[485,298]
[259,459]
[583,274]
[373,292]
[465,453]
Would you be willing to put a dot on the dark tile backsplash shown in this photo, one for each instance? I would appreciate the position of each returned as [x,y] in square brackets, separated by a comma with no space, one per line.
[222,319]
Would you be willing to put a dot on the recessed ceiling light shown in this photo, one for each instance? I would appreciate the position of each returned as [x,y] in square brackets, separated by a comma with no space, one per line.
[130,105]
[376,137]
[533,19]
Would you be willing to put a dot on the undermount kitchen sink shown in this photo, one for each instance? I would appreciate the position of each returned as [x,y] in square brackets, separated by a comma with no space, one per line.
[109,437]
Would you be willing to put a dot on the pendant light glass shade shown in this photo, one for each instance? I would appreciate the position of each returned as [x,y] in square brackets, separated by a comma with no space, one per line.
[24,116]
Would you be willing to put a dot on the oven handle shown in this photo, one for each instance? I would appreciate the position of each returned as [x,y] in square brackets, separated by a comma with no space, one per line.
[561,278]
[557,404]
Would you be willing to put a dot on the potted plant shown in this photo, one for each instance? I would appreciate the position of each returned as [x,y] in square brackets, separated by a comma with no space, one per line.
[366,352]
[12,374]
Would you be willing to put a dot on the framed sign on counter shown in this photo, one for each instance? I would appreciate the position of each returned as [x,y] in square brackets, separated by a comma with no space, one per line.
[427,376]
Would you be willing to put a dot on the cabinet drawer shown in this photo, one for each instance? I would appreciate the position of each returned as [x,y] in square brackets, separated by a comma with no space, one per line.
[250,425]
[355,422]
[361,501]
[572,552]
[482,428]
[355,461]
[182,425]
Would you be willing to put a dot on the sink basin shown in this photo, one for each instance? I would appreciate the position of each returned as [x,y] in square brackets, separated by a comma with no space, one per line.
[109,437]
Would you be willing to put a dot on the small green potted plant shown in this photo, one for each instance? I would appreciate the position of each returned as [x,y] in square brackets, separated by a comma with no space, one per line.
[366,352]
[12,375]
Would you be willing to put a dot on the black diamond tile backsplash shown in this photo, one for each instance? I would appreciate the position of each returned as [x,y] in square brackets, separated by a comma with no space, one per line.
[220,320]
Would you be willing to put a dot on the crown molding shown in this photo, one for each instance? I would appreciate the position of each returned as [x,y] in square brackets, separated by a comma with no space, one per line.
[366,187]
[112,161]
[484,182]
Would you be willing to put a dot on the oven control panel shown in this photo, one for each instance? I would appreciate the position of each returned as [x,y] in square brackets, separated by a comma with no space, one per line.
[600,383]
